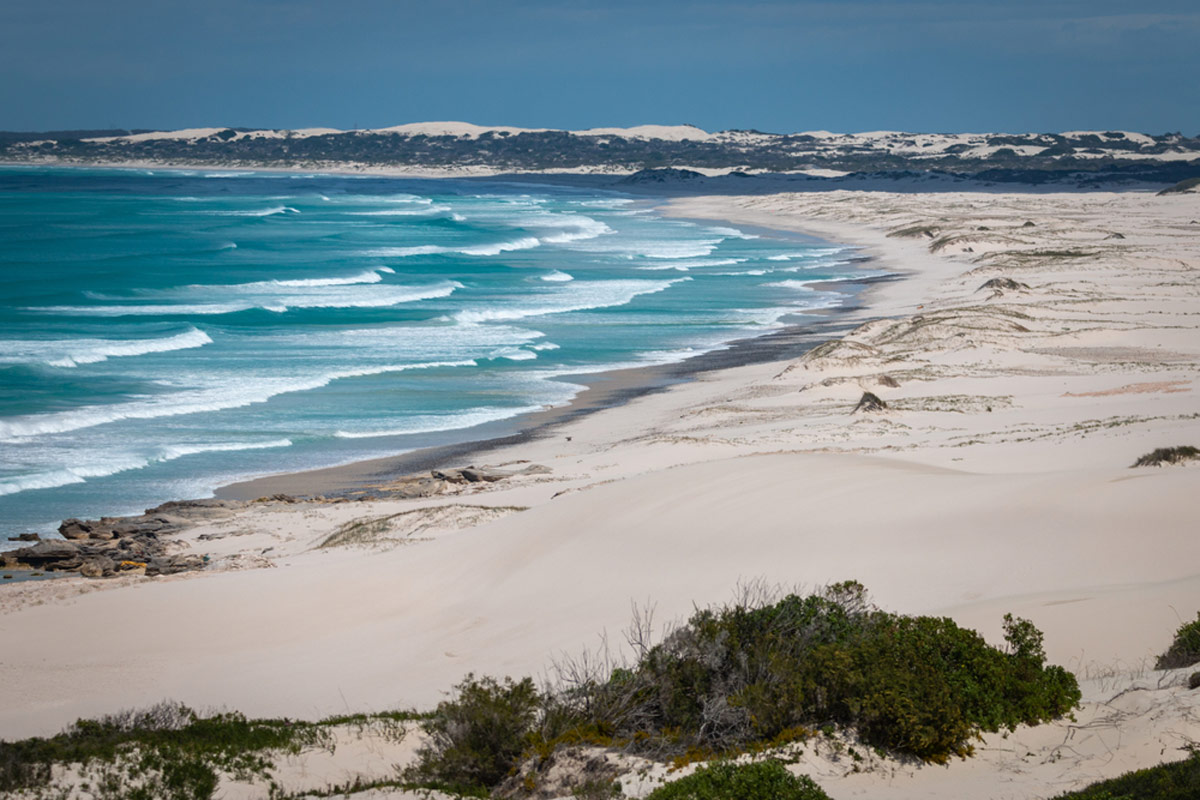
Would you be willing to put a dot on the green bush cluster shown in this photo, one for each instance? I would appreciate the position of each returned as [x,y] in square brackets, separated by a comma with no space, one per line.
[1185,649]
[754,676]
[477,737]
[1177,781]
[741,675]
[723,780]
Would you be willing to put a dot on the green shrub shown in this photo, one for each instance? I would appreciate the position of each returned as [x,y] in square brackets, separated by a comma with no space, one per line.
[476,737]
[722,780]
[740,676]
[1177,781]
[1185,649]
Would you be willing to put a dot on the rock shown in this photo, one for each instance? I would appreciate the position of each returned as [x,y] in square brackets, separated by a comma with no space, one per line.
[889,381]
[49,550]
[1115,235]
[75,529]
[25,537]
[448,475]
[483,474]
[1029,224]
[174,564]
[1001,285]
[869,402]
[97,567]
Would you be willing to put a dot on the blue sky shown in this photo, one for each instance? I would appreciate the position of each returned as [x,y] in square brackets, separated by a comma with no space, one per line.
[842,65]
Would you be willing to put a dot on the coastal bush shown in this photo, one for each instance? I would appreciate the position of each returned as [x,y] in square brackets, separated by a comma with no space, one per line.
[167,751]
[476,738]
[722,780]
[745,675]
[1176,781]
[756,675]
[1185,649]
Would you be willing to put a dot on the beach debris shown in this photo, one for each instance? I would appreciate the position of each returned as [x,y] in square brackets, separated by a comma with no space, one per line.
[1168,455]
[889,381]
[869,402]
[1029,224]
[1115,235]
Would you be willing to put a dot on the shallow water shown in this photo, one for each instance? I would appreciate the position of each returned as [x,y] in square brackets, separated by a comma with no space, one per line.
[165,332]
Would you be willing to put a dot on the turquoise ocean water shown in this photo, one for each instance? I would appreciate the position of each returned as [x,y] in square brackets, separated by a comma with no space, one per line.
[165,332]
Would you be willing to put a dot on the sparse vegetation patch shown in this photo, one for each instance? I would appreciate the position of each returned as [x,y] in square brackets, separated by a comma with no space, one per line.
[1168,455]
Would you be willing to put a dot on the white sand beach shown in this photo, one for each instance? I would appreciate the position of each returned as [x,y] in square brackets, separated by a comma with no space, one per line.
[998,479]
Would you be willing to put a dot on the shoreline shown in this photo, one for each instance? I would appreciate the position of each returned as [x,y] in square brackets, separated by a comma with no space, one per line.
[602,391]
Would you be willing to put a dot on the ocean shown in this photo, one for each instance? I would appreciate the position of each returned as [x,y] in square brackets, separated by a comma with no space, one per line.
[164,332]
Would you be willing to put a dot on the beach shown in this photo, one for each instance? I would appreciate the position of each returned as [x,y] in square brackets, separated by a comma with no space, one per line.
[1036,346]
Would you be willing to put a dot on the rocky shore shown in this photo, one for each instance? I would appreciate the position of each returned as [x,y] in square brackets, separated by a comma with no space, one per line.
[148,544]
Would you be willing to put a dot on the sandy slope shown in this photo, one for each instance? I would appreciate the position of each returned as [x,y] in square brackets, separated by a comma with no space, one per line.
[997,480]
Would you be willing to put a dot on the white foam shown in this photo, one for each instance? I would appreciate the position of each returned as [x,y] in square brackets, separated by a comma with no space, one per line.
[732,233]
[557,276]
[370,276]
[493,249]
[235,394]
[575,296]
[514,354]
[424,211]
[524,243]
[686,264]
[73,352]
[112,464]
[274,296]
[433,423]
[261,212]
[794,284]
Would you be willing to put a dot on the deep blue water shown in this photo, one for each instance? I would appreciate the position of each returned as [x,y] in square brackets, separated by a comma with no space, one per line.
[165,332]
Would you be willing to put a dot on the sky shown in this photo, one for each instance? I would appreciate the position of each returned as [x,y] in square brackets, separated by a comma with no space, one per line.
[840,65]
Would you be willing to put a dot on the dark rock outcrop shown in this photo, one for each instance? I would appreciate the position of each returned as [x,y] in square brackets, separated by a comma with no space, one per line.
[869,402]
[1001,285]
[101,548]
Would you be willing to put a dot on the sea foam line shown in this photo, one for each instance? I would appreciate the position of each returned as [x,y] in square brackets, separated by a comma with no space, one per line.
[344,294]
[69,353]
[579,296]
[192,401]
[70,475]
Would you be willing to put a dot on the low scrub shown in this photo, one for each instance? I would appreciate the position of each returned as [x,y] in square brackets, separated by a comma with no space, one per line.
[1168,455]
[761,780]
[1177,781]
[476,738]
[1185,649]
[167,751]
[753,676]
